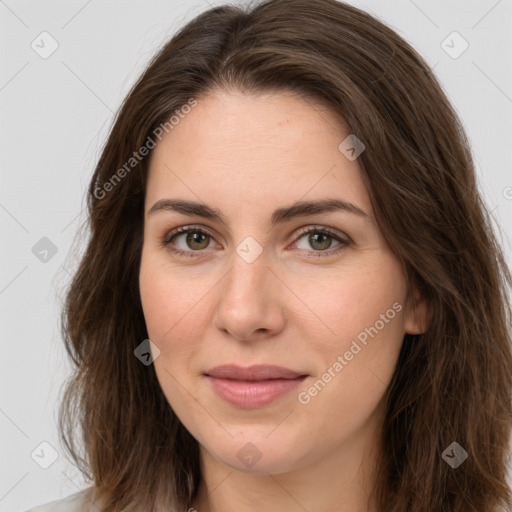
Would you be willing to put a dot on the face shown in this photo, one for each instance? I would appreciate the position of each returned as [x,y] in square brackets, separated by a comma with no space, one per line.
[250,276]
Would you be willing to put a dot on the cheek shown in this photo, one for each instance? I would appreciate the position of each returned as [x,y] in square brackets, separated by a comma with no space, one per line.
[359,298]
[363,310]
[175,306]
[172,308]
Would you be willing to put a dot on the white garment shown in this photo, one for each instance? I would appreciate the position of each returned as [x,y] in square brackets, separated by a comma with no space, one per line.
[80,501]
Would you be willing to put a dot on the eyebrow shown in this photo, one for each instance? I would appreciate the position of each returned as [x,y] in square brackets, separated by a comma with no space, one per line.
[279,216]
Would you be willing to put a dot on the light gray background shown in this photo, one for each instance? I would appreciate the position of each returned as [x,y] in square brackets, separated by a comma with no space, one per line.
[56,113]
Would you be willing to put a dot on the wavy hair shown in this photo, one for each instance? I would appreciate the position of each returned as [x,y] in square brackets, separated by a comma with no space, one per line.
[451,383]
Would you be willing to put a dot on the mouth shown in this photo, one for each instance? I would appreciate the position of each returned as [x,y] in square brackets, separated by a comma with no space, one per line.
[255,386]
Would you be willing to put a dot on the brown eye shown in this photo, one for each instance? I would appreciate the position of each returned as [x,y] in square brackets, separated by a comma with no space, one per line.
[196,240]
[318,240]
[187,240]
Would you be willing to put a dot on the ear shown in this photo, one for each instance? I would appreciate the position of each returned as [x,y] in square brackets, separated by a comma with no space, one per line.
[417,313]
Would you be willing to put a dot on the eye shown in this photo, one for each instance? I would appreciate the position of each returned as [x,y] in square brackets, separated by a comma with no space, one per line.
[321,240]
[314,240]
[187,240]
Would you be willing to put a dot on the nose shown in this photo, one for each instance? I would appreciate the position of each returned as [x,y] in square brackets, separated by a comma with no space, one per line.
[250,304]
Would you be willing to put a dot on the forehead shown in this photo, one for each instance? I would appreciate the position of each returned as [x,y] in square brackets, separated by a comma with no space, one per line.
[244,116]
[269,147]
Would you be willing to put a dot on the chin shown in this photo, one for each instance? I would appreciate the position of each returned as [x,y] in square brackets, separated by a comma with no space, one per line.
[255,452]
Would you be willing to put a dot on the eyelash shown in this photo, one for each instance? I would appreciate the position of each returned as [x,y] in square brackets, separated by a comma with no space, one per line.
[343,242]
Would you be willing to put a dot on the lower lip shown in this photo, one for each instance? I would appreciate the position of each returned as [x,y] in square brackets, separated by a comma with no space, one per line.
[252,394]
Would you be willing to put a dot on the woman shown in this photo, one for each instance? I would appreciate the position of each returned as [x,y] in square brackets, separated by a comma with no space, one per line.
[292,297]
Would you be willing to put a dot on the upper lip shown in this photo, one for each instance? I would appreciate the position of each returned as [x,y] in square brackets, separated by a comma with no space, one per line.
[256,372]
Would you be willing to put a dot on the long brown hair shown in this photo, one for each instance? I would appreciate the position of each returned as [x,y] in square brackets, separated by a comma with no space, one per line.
[452,383]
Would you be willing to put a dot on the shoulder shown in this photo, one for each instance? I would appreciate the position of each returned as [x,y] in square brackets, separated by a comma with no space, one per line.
[81,501]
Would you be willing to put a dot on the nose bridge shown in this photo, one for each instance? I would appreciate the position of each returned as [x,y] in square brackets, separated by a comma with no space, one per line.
[247,302]
[248,276]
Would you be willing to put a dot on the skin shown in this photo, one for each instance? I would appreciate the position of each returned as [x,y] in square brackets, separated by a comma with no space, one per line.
[248,155]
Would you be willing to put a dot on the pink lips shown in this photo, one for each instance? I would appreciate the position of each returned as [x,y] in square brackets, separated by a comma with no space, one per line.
[254,386]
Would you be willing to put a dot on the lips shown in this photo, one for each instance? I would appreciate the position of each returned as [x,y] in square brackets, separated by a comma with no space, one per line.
[252,387]
[257,372]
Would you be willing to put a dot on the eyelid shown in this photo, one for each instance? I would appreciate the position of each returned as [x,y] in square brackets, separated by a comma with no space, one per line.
[313,228]
[186,229]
